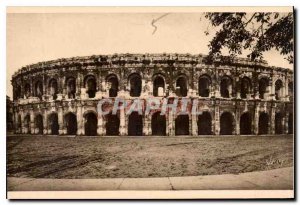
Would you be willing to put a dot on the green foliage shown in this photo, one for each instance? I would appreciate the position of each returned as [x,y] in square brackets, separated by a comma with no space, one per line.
[256,32]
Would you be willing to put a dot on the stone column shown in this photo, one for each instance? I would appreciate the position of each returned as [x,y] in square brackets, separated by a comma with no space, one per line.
[45,122]
[122,128]
[171,123]
[237,121]
[80,120]
[32,125]
[146,125]
[61,120]
[272,121]
[100,130]
[194,125]
[238,88]
[217,120]
[22,130]
[256,120]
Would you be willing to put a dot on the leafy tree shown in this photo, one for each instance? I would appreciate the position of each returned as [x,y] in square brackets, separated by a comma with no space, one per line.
[255,32]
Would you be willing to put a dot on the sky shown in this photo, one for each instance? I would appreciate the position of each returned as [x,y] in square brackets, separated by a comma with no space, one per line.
[36,37]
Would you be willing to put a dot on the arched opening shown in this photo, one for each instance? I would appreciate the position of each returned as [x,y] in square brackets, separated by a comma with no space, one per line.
[181,87]
[27,90]
[245,124]
[39,124]
[135,83]
[91,86]
[112,124]
[158,86]
[291,91]
[262,88]
[38,91]
[158,124]
[53,124]
[204,124]
[135,124]
[226,124]
[27,124]
[278,90]
[71,88]
[245,87]
[226,87]
[278,123]
[204,86]
[71,123]
[90,125]
[113,82]
[53,88]
[290,124]
[263,123]
[182,125]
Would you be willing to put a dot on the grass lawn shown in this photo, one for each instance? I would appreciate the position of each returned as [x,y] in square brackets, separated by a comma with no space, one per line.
[96,157]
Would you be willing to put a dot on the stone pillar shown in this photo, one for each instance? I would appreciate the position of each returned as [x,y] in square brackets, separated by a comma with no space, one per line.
[100,130]
[194,125]
[237,121]
[272,121]
[61,123]
[146,124]
[45,122]
[122,128]
[216,124]
[171,123]
[32,125]
[256,120]
[22,122]
[238,88]
[80,120]
[271,89]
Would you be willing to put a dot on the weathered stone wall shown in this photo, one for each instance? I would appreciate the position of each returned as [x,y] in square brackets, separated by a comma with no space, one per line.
[46,93]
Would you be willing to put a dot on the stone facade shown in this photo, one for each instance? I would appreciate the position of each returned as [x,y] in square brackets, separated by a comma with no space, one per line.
[237,97]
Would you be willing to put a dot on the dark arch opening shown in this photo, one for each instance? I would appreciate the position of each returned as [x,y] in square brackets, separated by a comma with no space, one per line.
[290,124]
[159,82]
[278,123]
[245,124]
[135,124]
[204,124]
[19,124]
[71,123]
[182,125]
[135,82]
[262,88]
[91,86]
[39,124]
[263,123]
[38,91]
[27,90]
[71,87]
[278,89]
[90,126]
[53,88]
[181,87]
[245,87]
[112,124]
[225,85]
[114,85]
[27,124]
[158,124]
[203,86]
[53,123]
[226,124]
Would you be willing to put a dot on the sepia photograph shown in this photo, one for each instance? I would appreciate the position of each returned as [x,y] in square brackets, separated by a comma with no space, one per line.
[150,102]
